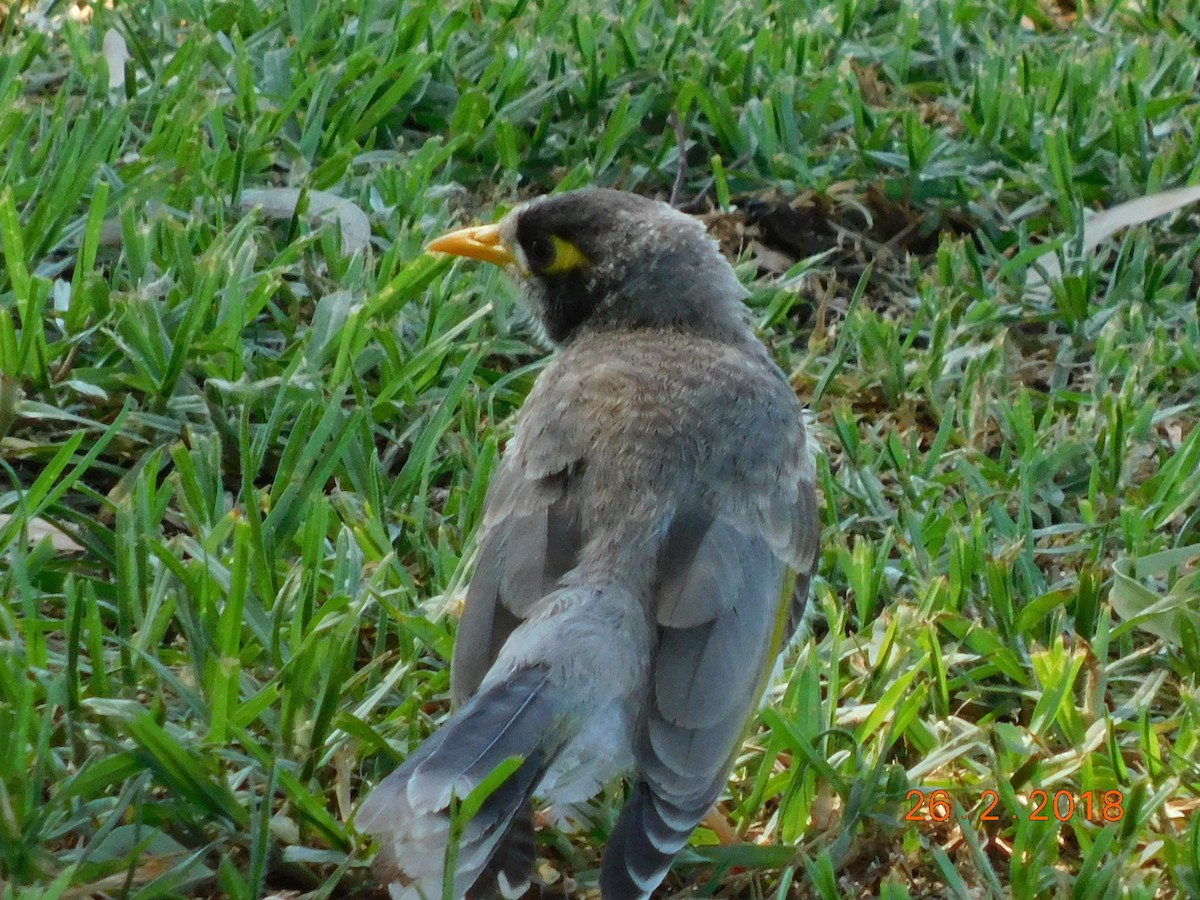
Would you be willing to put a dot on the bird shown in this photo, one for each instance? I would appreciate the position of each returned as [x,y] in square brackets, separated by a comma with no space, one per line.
[645,551]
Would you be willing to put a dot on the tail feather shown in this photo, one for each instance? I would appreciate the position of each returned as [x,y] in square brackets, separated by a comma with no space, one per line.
[497,724]
[409,810]
[649,833]
[510,870]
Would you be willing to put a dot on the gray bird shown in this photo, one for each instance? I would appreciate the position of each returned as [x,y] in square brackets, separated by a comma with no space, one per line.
[645,552]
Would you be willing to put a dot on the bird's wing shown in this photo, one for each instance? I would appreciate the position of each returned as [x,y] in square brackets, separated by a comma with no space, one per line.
[722,616]
[530,539]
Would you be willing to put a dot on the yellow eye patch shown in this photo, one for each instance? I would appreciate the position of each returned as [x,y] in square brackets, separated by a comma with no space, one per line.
[566,257]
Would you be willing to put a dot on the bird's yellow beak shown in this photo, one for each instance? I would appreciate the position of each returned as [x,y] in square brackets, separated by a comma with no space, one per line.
[478,242]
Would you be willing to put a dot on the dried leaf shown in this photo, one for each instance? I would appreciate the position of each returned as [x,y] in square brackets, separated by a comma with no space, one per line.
[116,54]
[770,261]
[280,203]
[1104,225]
[37,529]
[154,855]
[1164,613]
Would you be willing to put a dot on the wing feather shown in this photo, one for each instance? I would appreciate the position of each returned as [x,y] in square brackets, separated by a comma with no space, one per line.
[721,611]
[531,538]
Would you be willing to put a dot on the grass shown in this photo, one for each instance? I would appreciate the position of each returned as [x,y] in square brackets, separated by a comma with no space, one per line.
[255,460]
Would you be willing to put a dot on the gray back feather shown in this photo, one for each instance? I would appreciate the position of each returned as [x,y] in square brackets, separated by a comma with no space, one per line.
[701,514]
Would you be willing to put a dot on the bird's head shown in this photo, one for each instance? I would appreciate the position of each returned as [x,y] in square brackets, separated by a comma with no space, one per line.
[594,260]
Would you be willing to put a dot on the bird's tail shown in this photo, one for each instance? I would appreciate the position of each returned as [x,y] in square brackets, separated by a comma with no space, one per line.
[650,831]
[513,718]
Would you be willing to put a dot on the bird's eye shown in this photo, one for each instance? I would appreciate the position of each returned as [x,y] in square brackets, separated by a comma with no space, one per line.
[539,253]
[552,255]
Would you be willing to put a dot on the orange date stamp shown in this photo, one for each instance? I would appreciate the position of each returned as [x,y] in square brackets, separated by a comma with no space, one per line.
[1042,806]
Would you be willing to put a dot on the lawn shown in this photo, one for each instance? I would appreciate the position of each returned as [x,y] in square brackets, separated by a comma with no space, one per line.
[243,448]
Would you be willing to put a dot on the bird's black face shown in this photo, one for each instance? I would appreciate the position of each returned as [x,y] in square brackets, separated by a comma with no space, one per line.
[598,259]
[565,262]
